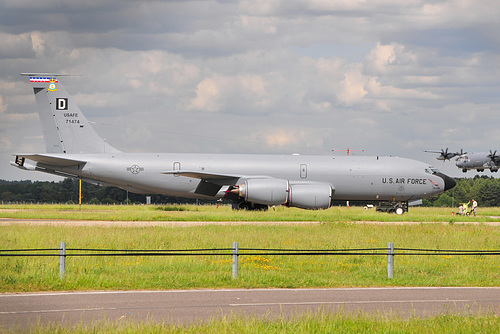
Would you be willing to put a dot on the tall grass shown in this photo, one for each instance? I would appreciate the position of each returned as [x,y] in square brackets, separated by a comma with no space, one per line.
[152,272]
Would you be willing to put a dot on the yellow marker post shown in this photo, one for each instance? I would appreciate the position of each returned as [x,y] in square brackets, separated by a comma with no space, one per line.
[80,195]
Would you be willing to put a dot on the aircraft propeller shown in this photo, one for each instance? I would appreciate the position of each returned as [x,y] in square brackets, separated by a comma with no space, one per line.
[445,155]
[493,156]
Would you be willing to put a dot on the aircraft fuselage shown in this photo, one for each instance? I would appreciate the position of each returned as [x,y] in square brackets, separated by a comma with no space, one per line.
[478,161]
[352,178]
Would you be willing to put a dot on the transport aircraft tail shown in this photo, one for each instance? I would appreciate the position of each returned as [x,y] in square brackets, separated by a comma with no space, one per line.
[65,128]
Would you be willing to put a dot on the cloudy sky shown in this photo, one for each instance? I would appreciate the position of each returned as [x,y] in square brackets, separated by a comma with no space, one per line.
[388,77]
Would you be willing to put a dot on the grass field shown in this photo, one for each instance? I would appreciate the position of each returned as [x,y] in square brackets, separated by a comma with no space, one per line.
[332,232]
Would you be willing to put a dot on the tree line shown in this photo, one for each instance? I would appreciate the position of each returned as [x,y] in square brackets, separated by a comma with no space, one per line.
[484,189]
[67,191]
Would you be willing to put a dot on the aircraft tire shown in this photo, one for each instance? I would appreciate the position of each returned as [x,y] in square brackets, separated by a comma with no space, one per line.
[399,210]
[249,206]
[245,206]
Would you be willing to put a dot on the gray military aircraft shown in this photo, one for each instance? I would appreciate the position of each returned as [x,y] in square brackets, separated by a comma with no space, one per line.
[75,150]
[479,161]
[466,161]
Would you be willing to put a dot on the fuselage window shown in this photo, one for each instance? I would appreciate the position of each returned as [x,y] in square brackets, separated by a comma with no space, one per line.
[431,170]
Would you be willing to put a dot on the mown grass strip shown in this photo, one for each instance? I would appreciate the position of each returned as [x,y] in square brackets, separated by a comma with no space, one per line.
[225,213]
[324,321]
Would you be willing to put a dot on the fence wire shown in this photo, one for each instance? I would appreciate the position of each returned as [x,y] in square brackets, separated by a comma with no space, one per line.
[29,252]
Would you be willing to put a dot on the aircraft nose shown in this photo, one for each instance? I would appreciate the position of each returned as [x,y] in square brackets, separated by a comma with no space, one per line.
[448,181]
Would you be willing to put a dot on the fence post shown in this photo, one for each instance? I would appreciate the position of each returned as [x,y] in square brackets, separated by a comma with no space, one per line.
[235,260]
[390,261]
[62,260]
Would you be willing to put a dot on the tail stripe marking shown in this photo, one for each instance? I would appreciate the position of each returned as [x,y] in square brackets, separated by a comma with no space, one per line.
[43,79]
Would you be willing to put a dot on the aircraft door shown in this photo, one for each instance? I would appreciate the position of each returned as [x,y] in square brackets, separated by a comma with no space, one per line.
[303,171]
[176,167]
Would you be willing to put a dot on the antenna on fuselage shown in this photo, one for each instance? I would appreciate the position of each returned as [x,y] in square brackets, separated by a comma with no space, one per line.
[348,150]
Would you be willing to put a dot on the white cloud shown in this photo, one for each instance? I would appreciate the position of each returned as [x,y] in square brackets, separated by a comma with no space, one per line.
[258,25]
[218,93]
[460,13]
[353,86]
[384,58]
[37,43]
[280,137]
[16,46]
[208,95]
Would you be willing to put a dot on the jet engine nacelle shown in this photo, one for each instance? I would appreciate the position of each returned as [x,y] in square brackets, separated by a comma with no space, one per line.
[312,196]
[264,191]
[279,191]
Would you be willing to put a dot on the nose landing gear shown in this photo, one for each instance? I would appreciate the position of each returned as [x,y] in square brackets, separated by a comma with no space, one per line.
[393,207]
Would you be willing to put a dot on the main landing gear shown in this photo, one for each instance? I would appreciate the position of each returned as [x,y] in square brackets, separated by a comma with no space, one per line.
[249,206]
[239,203]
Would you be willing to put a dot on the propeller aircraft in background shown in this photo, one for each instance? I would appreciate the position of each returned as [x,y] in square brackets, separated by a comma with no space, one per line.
[467,161]
[479,161]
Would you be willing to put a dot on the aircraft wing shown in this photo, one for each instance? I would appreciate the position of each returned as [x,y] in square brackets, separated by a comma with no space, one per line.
[48,159]
[220,179]
[211,183]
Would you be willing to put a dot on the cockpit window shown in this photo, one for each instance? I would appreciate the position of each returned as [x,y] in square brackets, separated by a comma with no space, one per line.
[431,170]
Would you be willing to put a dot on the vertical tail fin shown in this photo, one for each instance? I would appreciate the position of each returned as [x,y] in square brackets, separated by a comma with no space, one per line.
[65,128]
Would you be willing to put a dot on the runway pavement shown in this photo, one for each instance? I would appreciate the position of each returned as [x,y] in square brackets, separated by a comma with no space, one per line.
[120,223]
[23,310]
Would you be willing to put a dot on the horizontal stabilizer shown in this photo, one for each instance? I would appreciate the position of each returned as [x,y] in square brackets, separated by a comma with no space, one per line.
[51,160]
[24,165]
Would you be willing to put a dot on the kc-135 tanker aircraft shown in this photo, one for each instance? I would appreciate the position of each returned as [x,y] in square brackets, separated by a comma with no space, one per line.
[250,181]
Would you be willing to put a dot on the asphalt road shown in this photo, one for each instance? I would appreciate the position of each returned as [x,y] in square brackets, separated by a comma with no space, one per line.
[23,310]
